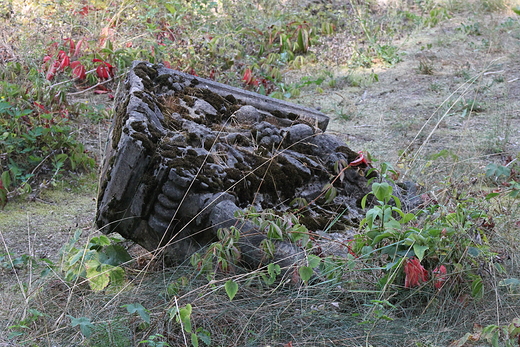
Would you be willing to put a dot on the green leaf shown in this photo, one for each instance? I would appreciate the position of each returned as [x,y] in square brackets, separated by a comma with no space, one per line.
[6,179]
[407,217]
[100,240]
[330,194]
[273,269]
[313,261]
[85,326]
[98,278]
[204,335]
[117,276]
[231,289]
[305,273]
[185,317]
[516,10]
[477,288]
[114,255]
[171,8]
[194,340]
[381,237]
[274,232]
[473,251]
[364,201]
[382,191]
[140,310]
[491,195]
[419,251]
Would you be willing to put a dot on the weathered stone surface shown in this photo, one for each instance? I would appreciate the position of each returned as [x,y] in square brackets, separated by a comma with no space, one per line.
[185,153]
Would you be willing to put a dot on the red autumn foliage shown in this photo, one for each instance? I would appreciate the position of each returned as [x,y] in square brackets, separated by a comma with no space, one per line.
[361,160]
[415,273]
[439,273]
[104,70]
[78,70]
[249,79]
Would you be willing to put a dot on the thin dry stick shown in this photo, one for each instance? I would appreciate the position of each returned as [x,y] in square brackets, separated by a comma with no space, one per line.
[97,85]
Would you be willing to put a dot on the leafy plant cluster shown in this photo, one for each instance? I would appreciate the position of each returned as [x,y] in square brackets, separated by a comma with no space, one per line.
[98,263]
[36,143]
[409,252]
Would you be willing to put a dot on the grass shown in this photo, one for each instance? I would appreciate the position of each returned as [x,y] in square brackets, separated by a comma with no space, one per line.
[427,86]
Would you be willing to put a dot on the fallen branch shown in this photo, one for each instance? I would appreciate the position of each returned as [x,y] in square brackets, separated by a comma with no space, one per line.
[96,85]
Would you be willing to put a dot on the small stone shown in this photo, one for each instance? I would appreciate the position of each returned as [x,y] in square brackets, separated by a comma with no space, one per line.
[247,114]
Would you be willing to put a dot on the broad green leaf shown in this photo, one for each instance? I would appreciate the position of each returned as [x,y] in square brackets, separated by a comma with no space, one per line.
[273,269]
[382,191]
[231,289]
[330,194]
[381,237]
[140,310]
[114,255]
[491,195]
[419,251]
[366,250]
[100,240]
[194,340]
[185,317]
[171,8]
[204,335]
[313,261]
[407,217]
[6,179]
[473,251]
[98,279]
[477,288]
[509,282]
[393,225]
[274,232]
[305,273]
[85,326]
[117,276]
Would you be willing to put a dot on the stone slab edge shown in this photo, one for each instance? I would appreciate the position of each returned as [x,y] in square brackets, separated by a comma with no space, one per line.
[261,102]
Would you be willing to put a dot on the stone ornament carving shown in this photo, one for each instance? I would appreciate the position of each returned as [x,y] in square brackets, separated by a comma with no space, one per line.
[185,153]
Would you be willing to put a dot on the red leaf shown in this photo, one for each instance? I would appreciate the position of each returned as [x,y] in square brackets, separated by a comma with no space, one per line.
[77,49]
[72,44]
[64,60]
[248,77]
[78,70]
[415,273]
[360,160]
[84,10]
[49,76]
[102,89]
[104,70]
[439,273]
